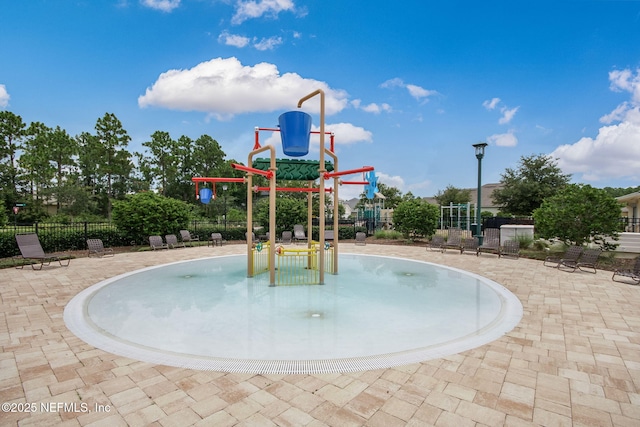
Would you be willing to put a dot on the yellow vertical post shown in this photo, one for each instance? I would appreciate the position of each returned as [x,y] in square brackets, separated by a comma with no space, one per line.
[336,212]
[321,170]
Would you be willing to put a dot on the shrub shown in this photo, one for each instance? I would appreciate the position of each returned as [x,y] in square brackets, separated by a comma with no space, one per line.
[145,214]
[415,217]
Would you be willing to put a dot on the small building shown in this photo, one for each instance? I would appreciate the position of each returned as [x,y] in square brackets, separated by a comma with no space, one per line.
[631,211]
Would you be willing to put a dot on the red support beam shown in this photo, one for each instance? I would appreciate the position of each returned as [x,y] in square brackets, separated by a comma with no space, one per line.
[328,175]
[355,182]
[268,174]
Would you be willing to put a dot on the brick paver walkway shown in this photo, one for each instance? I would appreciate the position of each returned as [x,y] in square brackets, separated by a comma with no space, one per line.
[574,359]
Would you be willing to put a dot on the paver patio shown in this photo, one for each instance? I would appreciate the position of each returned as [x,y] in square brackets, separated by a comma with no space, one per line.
[574,359]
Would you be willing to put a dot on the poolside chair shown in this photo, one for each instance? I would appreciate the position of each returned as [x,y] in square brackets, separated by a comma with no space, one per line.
[186,237]
[287,237]
[298,233]
[328,235]
[361,238]
[436,242]
[570,256]
[253,237]
[215,240]
[172,241]
[490,244]
[454,240]
[588,260]
[31,249]
[632,273]
[469,244]
[156,242]
[510,248]
[96,247]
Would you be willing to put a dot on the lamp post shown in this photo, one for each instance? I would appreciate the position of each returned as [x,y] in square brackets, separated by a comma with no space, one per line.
[479,155]
[224,198]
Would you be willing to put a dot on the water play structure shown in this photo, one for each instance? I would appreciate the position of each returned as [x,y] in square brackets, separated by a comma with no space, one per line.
[285,265]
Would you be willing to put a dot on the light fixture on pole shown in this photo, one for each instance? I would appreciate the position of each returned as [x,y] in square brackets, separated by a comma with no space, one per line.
[224,188]
[479,155]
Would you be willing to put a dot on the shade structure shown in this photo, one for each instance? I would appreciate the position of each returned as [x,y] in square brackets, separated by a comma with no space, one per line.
[295,129]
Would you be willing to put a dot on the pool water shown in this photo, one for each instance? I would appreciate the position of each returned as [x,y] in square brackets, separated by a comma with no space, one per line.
[377,312]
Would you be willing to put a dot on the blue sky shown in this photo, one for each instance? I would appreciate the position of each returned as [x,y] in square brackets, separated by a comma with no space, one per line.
[410,85]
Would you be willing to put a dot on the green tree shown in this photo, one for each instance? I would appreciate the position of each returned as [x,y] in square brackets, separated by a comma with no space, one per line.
[416,218]
[160,167]
[453,195]
[537,177]
[146,214]
[113,160]
[579,214]
[12,131]
[290,212]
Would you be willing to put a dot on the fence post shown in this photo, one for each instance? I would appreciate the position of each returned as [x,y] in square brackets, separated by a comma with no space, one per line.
[36,224]
[86,234]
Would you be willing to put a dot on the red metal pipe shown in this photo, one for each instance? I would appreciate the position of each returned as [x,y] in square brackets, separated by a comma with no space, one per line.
[328,175]
[268,174]
[355,182]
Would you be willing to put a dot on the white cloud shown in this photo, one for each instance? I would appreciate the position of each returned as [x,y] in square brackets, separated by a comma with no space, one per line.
[371,108]
[503,139]
[614,152]
[507,115]
[255,9]
[268,44]
[233,40]
[416,92]
[4,96]
[616,115]
[490,105]
[625,81]
[163,5]
[223,87]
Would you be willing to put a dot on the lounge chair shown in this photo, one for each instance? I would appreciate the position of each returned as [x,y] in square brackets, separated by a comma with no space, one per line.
[436,243]
[632,273]
[470,244]
[186,237]
[490,244]
[31,249]
[298,233]
[253,237]
[361,238]
[328,235]
[215,239]
[172,241]
[454,240]
[96,247]
[570,256]
[510,248]
[589,260]
[287,237]
[156,242]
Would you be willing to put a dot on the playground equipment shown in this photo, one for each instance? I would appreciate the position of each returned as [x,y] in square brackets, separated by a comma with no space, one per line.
[293,266]
[454,217]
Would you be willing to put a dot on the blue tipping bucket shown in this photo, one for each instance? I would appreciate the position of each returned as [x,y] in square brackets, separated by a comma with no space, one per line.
[295,129]
[205,195]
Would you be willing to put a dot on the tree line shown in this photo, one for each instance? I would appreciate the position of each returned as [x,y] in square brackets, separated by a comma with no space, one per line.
[82,175]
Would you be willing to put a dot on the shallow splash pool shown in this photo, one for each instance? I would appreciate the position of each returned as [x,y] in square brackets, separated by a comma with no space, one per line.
[377,312]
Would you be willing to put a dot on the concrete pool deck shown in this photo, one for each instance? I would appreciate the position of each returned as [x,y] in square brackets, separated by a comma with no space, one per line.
[574,359]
